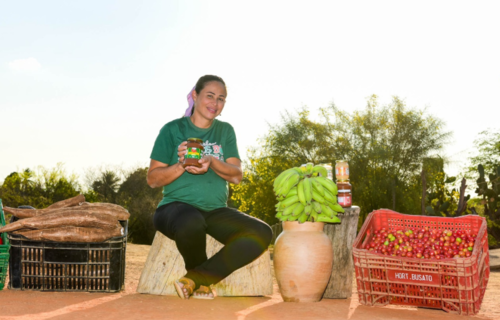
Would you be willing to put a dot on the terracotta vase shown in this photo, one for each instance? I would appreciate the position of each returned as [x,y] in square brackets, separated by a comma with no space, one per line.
[303,259]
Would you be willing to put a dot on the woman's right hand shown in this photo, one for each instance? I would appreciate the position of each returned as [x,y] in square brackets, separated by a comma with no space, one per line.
[181,151]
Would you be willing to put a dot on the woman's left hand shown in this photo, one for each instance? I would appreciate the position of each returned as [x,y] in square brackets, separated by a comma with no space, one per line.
[205,164]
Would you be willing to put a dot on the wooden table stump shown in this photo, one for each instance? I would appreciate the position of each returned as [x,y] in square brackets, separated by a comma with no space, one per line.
[342,236]
[164,265]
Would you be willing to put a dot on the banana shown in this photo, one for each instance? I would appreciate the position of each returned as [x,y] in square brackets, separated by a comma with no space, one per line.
[330,197]
[337,208]
[278,205]
[328,184]
[292,217]
[289,184]
[289,201]
[318,186]
[331,206]
[321,170]
[313,216]
[282,177]
[303,217]
[279,215]
[292,192]
[317,207]
[317,197]
[288,210]
[298,209]
[308,190]
[308,209]
[327,219]
[300,192]
[327,210]
[309,167]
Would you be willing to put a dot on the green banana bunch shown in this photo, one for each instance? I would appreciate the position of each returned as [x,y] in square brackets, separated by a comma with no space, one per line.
[305,194]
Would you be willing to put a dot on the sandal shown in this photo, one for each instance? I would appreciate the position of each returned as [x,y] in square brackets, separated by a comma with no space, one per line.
[204,293]
[186,283]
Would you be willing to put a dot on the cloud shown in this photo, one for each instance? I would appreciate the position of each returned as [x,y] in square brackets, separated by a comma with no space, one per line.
[30,64]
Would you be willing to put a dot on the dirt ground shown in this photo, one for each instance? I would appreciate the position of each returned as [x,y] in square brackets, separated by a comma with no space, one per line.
[22,305]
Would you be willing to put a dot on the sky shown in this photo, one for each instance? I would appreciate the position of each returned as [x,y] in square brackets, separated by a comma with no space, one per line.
[90,83]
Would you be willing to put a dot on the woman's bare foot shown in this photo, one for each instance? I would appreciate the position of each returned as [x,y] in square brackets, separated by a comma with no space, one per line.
[184,287]
[203,293]
[186,293]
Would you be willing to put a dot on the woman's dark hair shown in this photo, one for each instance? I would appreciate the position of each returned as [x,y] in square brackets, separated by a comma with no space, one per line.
[205,79]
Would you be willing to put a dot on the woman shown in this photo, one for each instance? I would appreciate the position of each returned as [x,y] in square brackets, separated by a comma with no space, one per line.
[194,200]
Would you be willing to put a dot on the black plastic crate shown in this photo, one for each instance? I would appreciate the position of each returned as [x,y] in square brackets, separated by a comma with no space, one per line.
[68,266]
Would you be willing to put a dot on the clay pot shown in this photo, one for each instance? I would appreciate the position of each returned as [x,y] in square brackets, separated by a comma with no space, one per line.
[303,259]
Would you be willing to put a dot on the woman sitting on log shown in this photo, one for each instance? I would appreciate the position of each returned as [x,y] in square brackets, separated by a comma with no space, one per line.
[195,194]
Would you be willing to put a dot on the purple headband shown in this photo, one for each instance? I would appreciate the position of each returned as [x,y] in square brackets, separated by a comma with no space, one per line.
[189,110]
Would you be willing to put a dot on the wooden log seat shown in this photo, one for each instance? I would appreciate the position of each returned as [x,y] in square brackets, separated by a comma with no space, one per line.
[164,265]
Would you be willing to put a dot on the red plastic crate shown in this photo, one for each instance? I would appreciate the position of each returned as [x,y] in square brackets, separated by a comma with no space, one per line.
[455,285]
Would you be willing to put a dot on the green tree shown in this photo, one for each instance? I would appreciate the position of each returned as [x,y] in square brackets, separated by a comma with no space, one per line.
[10,192]
[38,188]
[384,146]
[106,186]
[56,184]
[141,201]
[484,168]
[488,152]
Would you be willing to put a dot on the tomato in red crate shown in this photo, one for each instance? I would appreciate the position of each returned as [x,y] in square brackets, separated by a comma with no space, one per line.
[432,262]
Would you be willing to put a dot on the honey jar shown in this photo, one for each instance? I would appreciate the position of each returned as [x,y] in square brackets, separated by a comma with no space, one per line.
[194,152]
[344,196]
[341,170]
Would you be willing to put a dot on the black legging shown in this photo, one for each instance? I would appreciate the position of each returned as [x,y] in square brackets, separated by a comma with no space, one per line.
[244,237]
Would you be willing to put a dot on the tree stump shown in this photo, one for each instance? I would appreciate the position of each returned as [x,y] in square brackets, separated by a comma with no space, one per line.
[164,265]
[342,236]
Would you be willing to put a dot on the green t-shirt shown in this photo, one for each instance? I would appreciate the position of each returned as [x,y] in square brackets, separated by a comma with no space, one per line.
[204,191]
